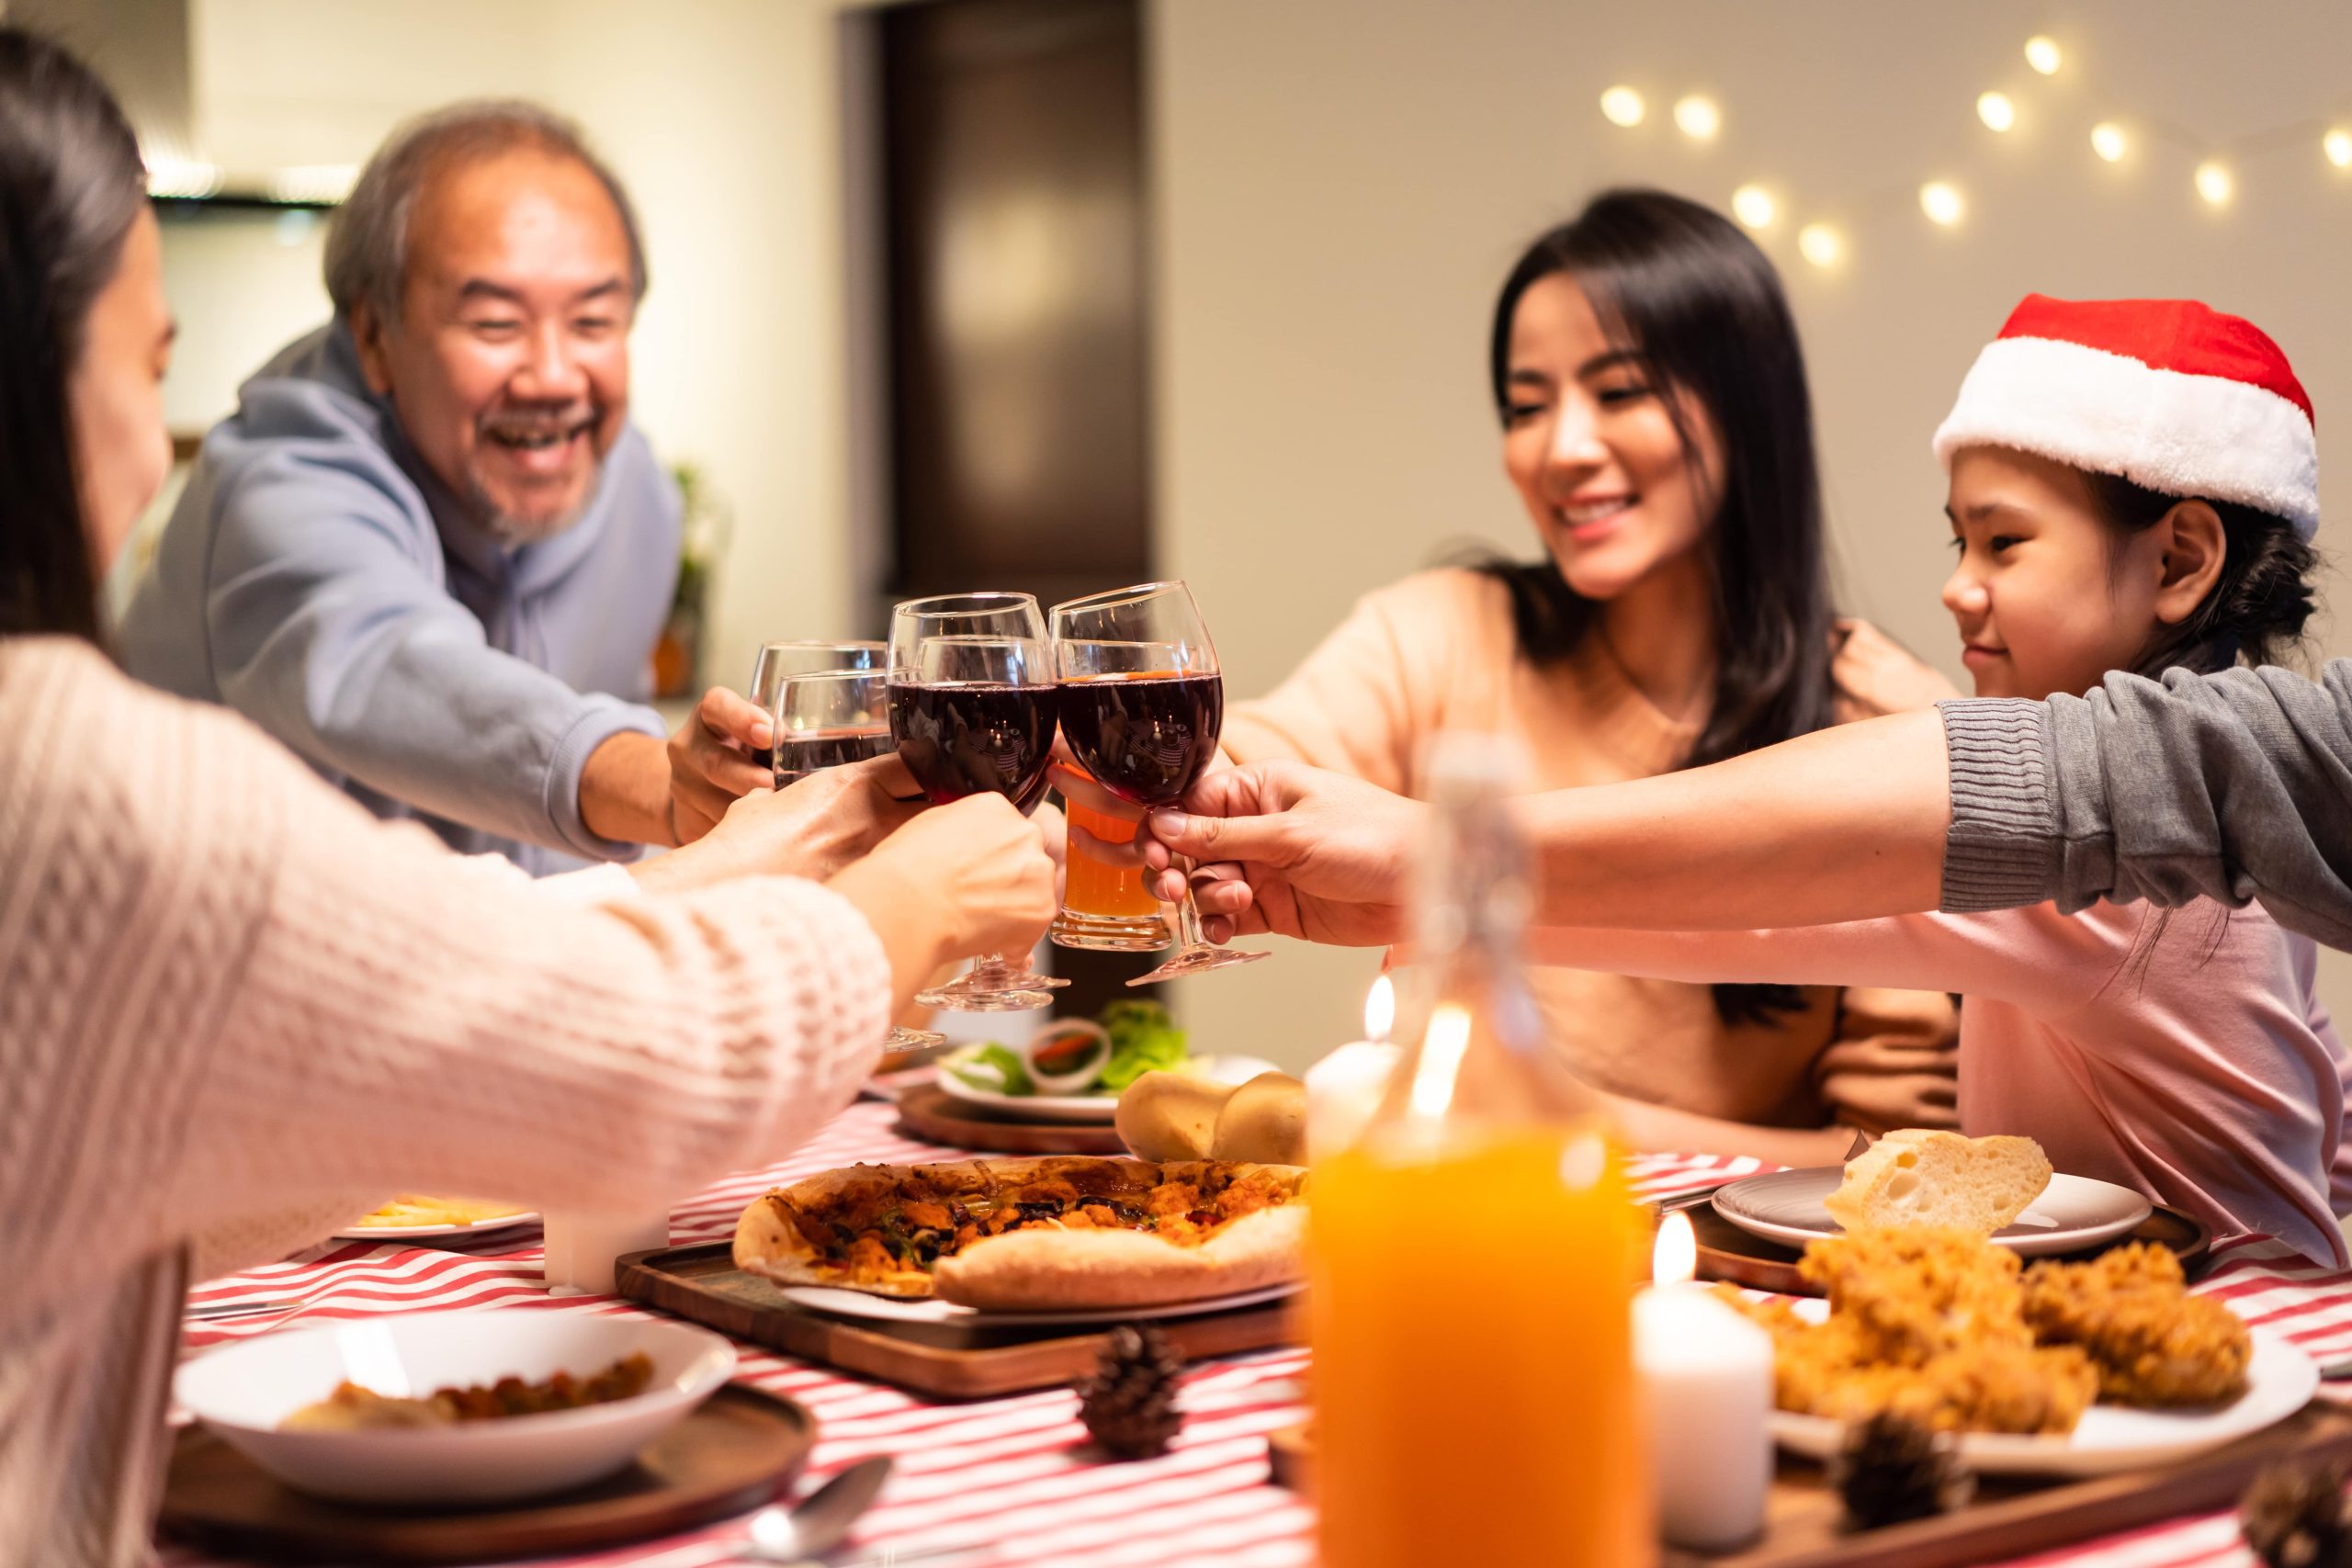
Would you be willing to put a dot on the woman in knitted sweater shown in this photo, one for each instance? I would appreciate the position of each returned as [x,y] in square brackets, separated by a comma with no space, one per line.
[226,991]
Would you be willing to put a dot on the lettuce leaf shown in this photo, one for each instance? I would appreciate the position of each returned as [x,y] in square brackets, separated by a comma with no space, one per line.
[1143,1037]
[994,1068]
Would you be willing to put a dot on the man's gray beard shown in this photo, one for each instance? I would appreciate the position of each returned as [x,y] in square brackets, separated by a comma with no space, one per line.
[511,532]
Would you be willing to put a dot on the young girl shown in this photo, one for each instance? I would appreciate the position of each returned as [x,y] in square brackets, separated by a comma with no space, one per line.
[1656,428]
[2132,486]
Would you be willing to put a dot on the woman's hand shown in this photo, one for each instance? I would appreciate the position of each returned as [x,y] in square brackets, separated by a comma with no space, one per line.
[813,828]
[1285,848]
[960,880]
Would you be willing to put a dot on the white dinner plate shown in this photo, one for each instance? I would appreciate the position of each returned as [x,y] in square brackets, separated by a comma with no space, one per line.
[2280,1380]
[1093,1107]
[891,1309]
[245,1389]
[2073,1213]
[424,1233]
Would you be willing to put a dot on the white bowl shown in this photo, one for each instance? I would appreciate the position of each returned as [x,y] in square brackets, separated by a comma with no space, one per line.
[242,1391]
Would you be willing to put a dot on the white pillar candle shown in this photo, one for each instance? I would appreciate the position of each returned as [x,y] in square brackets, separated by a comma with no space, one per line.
[1706,1375]
[1345,1087]
[582,1247]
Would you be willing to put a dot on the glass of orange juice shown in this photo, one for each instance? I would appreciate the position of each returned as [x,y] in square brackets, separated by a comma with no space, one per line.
[1106,907]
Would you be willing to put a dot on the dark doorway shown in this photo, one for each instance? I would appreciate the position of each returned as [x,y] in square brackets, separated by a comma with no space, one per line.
[1015,237]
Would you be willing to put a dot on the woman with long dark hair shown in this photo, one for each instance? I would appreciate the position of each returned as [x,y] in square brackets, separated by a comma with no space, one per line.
[1657,428]
[227,992]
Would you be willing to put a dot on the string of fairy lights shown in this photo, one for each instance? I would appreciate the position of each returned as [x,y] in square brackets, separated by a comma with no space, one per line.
[2113,139]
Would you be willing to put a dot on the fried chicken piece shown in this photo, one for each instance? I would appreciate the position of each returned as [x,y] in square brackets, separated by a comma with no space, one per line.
[2153,1342]
[1912,1294]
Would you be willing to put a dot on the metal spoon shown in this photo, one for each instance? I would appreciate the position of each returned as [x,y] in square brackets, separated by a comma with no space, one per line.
[816,1524]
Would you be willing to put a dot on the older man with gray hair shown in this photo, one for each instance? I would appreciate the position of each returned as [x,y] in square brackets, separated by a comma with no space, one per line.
[429,552]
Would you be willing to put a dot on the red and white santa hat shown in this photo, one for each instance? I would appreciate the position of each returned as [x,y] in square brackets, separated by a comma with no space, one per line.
[2166,392]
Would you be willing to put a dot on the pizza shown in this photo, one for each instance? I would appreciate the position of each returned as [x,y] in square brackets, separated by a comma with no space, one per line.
[1034,1235]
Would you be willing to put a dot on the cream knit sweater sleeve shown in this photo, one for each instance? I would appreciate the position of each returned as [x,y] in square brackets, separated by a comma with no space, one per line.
[225,991]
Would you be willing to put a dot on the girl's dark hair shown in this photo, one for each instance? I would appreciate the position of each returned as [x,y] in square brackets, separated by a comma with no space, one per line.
[2256,609]
[1679,286]
[71,186]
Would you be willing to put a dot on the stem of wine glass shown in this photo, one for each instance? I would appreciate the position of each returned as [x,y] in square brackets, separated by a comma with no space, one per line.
[1190,938]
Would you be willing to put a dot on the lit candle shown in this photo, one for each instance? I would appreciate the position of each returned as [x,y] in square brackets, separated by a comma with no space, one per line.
[1345,1087]
[1706,1375]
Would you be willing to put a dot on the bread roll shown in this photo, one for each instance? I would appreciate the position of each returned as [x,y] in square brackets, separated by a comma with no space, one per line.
[1920,1178]
[1166,1116]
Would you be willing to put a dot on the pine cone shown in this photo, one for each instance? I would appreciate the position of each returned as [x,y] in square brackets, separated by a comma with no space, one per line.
[1129,1405]
[2293,1517]
[1890,1468]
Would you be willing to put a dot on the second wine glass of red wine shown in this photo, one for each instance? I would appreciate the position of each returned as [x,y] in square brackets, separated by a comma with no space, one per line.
[972,706]
[1143,700]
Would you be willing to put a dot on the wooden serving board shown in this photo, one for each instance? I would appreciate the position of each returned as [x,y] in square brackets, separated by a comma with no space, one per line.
[948,1359]
[930,1113]
[1729,1253]
[2010,1516]
[737,1450]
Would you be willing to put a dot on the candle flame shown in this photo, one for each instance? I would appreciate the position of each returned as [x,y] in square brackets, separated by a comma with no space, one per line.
[1379,1010]
[1441,1049]
[1675,1259]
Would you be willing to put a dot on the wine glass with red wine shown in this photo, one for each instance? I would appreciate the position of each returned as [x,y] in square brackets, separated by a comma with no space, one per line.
[972,704]
[826,720]
[780,660]
[1142,703]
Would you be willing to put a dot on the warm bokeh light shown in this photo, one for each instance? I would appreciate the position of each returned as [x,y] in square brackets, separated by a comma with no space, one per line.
[2109,142]
[186,177]
[2214,184]
[1675,1259]
[1941,202]
[1754,206]
[2338,145]
[2041,54]
[1699,118]
[1820,245]
[1995,110]
[1380,1010]
[1621,106]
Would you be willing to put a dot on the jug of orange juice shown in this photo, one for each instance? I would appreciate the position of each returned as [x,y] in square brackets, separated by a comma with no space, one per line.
[1472,1256]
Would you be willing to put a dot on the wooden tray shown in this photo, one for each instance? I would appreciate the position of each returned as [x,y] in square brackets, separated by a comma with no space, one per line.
[931,1114]
[737,1450]
[1727,1252]
[2008,1519]
[950,1360]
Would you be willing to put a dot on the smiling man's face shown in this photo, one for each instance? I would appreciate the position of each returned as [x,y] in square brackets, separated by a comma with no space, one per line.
[509,363]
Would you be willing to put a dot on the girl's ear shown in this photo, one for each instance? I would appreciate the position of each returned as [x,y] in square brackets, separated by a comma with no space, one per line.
[2194,549]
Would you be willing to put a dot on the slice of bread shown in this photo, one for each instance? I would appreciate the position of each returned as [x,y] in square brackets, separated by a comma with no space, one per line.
[1919,1178]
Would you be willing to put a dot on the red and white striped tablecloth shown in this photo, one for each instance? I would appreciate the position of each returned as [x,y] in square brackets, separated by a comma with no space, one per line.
[1006,1475]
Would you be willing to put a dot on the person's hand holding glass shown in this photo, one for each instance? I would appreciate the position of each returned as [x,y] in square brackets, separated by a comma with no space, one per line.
[827,719]
[1142,704]
[972,706]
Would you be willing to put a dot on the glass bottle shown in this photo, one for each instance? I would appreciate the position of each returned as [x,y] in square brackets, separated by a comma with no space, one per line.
[1474,1255]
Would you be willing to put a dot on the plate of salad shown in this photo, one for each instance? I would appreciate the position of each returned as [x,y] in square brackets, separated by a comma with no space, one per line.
[1074,1068]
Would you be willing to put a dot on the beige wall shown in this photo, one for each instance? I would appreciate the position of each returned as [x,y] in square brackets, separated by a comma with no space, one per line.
[1343,182]
[720,117]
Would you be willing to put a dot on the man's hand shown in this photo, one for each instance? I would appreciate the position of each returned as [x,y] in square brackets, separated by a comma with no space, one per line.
[815,829]
[711,764]
[1285,848]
